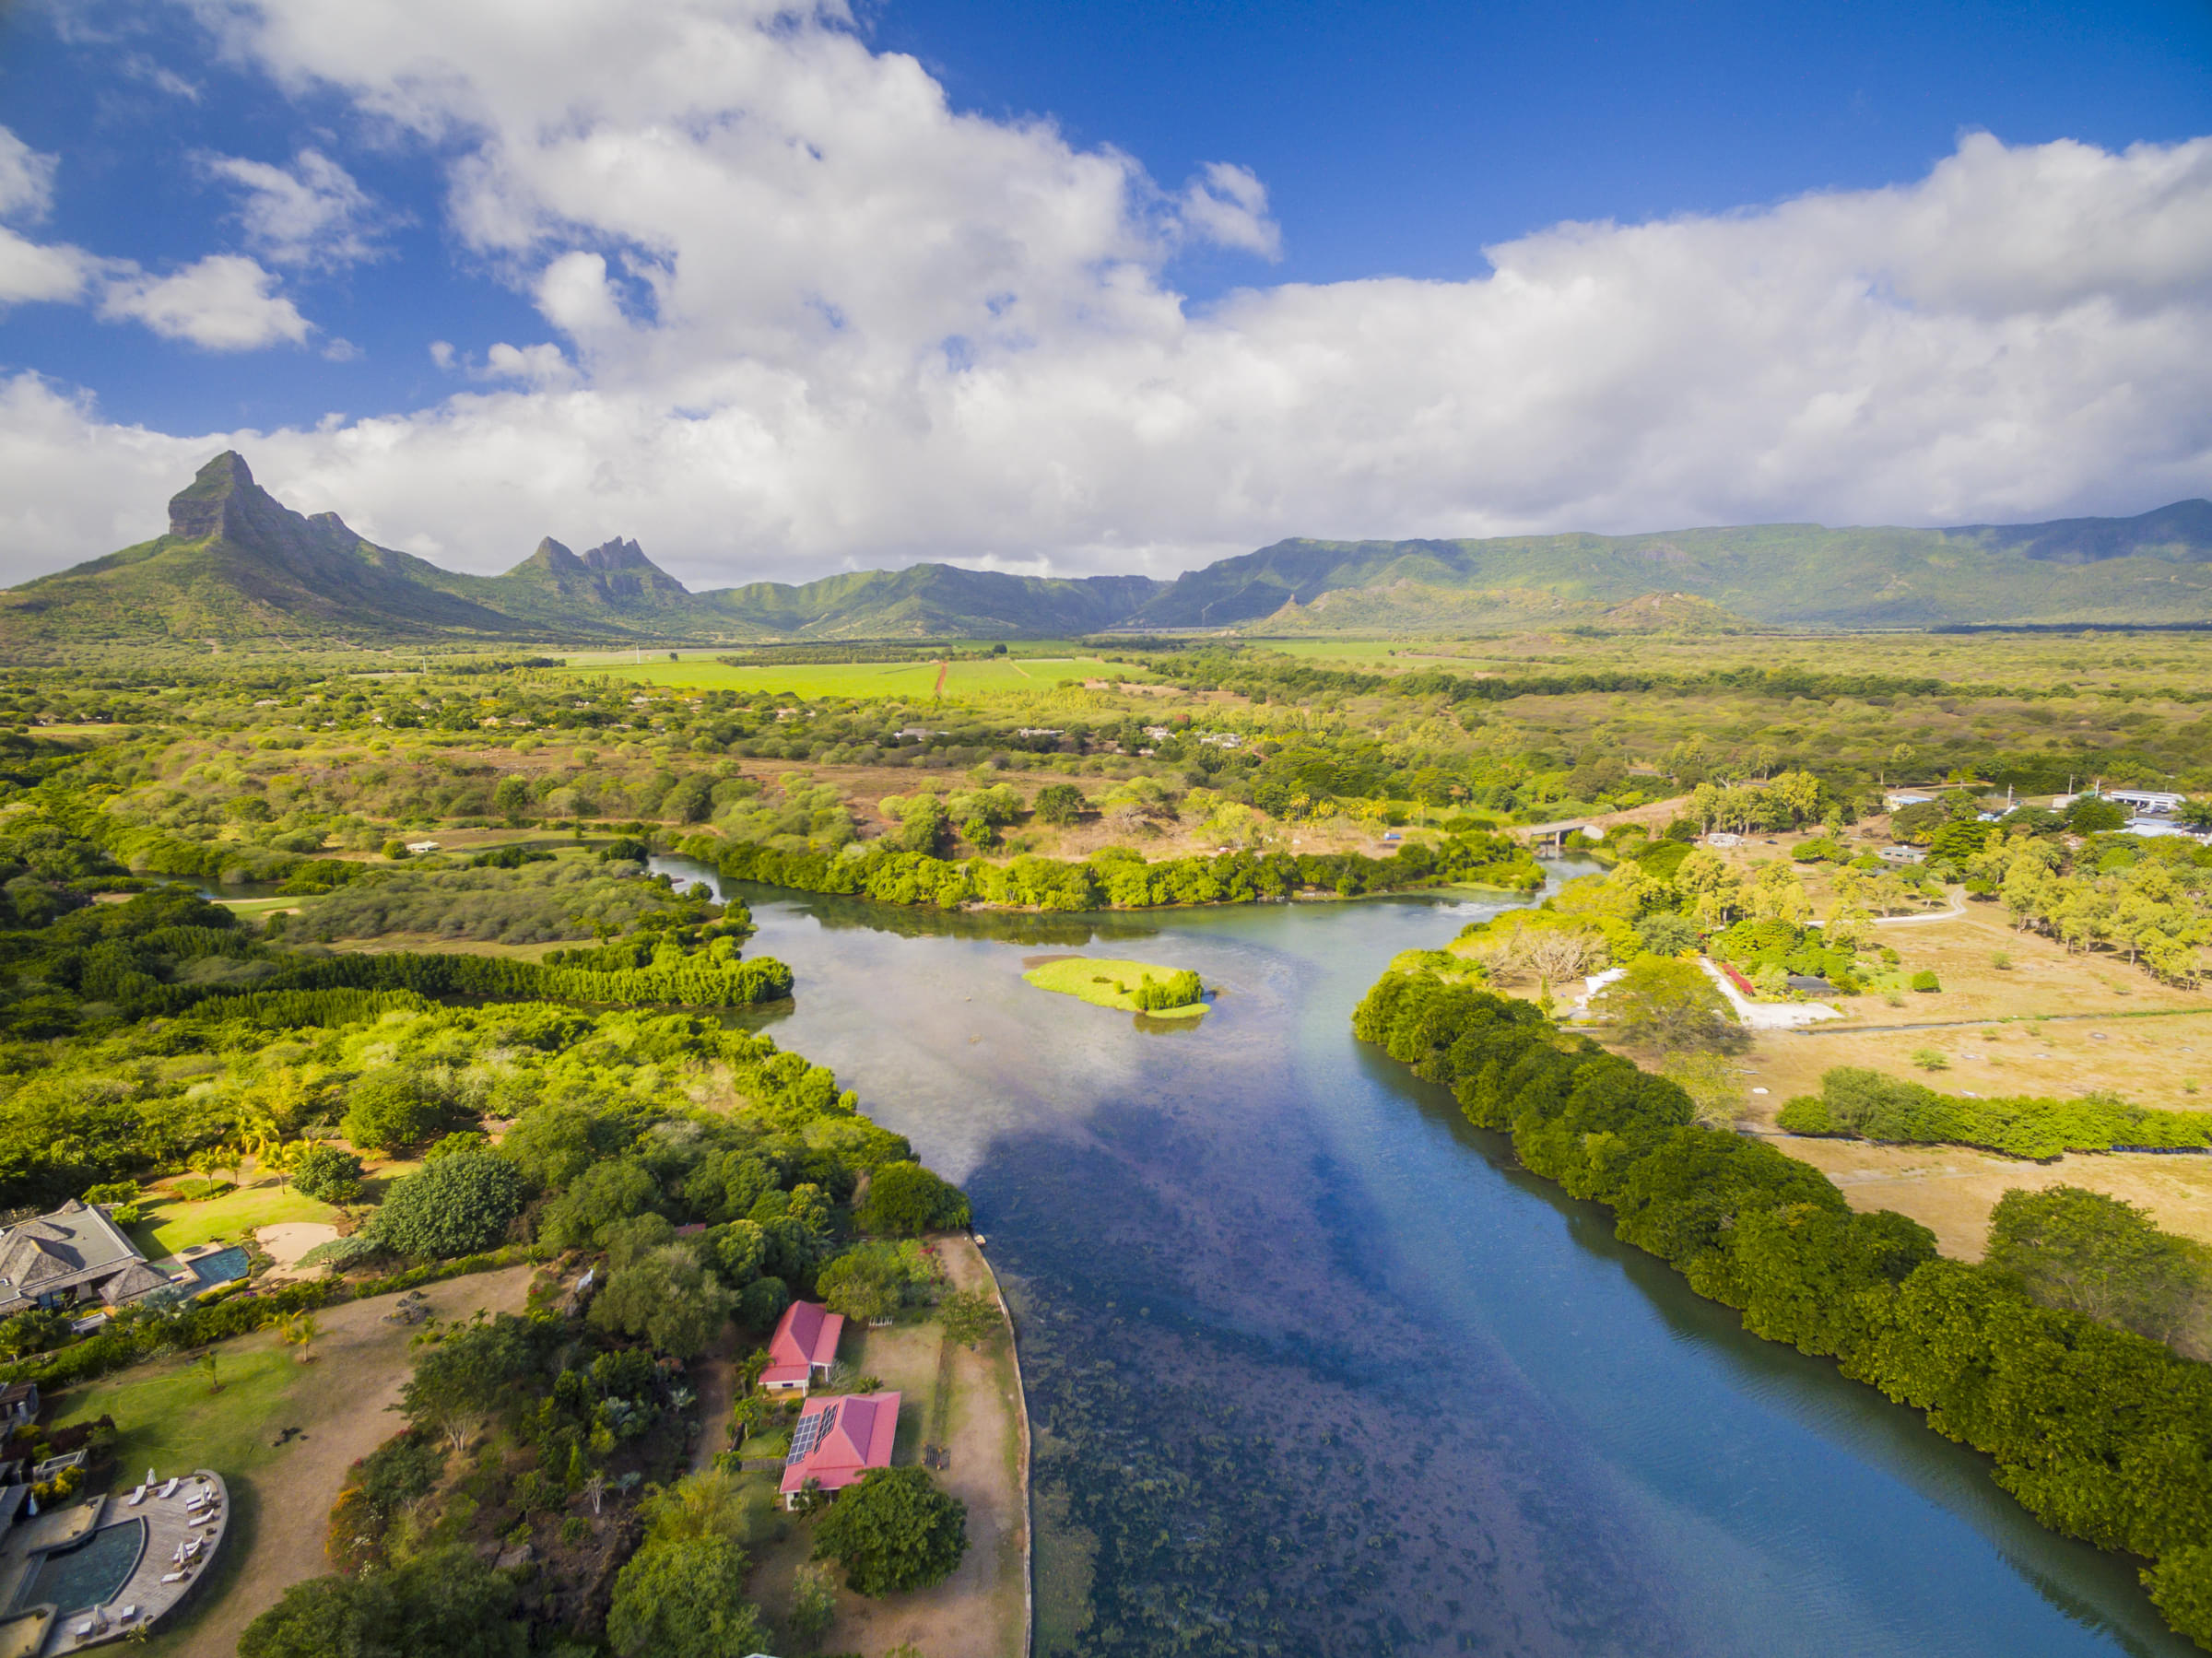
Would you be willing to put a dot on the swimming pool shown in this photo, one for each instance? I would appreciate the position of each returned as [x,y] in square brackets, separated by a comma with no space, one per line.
[220,1267]
[90,1574]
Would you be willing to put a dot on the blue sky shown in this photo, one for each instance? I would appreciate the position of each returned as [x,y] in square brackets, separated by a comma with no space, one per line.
[1128,303]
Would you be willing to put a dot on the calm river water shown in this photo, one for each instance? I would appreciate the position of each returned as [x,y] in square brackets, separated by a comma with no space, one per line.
[1315,1370]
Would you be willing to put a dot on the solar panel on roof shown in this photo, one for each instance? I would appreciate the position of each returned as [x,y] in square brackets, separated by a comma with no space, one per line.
[809,1434]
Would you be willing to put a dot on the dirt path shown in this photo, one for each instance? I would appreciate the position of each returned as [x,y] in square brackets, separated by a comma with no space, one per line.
[715,1379]
[341,1402]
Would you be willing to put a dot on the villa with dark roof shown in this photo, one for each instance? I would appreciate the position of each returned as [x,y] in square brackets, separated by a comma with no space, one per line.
[73,1257]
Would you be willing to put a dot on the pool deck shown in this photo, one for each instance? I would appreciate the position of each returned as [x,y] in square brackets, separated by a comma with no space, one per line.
[43,1631]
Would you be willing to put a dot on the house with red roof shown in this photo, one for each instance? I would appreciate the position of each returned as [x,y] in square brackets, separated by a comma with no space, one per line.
[804,1344]
[838,1439]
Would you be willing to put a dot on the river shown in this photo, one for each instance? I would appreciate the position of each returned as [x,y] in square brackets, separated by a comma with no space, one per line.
[1316,1369]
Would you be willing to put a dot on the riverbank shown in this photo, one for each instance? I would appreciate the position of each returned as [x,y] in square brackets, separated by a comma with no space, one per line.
[2099,1433]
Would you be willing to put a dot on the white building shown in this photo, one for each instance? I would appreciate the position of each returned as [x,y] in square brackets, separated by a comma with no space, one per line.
[2145,803]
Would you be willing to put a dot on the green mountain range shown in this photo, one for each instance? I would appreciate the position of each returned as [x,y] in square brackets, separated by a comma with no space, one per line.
[238,566]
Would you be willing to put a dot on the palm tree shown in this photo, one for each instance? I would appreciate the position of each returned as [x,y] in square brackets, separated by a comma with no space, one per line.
[300,1329]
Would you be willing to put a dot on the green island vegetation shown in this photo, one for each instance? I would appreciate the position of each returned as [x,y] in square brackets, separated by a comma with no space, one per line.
[1133,986]
[2100,1432]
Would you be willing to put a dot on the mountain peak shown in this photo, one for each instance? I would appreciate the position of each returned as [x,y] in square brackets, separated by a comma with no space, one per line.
[206,505]
[619,554]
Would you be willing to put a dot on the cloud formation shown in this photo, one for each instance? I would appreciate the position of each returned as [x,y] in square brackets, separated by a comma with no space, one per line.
[224,303]
[802,315]
[311,213]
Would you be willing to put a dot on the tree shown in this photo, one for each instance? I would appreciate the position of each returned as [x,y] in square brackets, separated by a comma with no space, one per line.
[512,800]
[666,1297]
[443,1604]
[32,1331]
[969,1316]
[598,1197]
[1714,1084]
[2083,1251]
[459,1383]
[684,1600]
[299,1329]
[813,1604]
[1662,933]
[867,1282]
[456,1206]
[1061,804]
[390,1109]
[906,1197]
[1671,1005]
[2093,814]
[327,1172]
[893,1531]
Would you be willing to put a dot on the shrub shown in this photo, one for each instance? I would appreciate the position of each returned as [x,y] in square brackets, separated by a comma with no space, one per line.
[893,1531]
[1928,1059]
[456,1206]
[1181,989]
[1925,981]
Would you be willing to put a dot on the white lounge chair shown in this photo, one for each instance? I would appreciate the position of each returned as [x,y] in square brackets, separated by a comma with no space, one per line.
[168,1491]
[138,1497]
[172,1577]
[124,1614]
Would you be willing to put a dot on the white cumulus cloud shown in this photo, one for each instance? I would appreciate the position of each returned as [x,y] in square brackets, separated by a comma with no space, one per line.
[810,317]
[311,213]
[224,303]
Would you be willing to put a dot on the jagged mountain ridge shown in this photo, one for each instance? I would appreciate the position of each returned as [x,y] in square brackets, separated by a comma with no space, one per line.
[238,565]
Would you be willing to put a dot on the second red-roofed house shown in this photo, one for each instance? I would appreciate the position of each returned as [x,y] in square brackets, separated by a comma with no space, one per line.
[804,1346]
[837,1440]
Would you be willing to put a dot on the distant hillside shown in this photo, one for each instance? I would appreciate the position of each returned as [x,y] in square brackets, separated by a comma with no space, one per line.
[2157,568]
[1408,606]
[237,566]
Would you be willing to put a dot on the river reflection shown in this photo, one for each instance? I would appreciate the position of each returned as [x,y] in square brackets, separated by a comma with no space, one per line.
[1316,1369]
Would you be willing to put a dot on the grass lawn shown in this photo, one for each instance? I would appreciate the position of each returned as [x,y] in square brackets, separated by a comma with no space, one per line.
[259,906]
[172,1225]
[170,1421]
[1108,983]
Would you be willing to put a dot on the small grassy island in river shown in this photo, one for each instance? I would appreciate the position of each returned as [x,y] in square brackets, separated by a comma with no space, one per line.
[1165,992]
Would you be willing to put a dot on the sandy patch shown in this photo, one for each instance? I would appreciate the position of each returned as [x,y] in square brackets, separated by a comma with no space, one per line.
[288,1240]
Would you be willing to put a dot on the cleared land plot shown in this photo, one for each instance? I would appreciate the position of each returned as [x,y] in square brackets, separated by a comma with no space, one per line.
[2019,1030]
[1106,982]
[170,1224]
[908,681]
[968,1403]
[280,1494]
